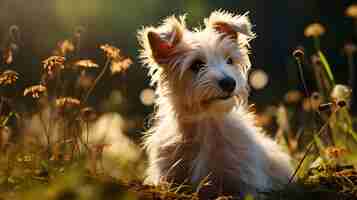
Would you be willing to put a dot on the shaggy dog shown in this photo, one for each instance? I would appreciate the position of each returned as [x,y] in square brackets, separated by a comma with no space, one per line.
[202,129]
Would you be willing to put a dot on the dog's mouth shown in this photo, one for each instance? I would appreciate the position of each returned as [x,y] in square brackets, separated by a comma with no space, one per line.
[218,98]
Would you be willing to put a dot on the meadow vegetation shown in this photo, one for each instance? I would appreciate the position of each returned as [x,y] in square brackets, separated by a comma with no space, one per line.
[54,145]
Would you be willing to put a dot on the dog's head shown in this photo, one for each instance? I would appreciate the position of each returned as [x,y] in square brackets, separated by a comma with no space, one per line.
[203,71]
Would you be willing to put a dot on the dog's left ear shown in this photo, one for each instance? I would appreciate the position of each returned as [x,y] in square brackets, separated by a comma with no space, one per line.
[230,25]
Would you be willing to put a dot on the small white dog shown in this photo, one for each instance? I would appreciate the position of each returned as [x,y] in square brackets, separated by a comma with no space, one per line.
[202,129]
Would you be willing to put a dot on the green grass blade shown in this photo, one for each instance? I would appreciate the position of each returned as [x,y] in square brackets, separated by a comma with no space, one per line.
[326,66]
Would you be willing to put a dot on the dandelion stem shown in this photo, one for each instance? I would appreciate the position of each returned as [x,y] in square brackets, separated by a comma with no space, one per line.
[45,129]
[301,73]
[309,147]
[97,80]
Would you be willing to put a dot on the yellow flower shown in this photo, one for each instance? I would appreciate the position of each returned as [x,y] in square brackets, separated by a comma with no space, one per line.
[67,103]
[86,63]
[35,91]
[335,152]
[65,46]
[314,30]
[351,11]
[111,51]
[120,65]
[53,62]
[8,77]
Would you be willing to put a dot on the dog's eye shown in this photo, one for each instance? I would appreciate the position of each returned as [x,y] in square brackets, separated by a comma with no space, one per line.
[229,61]
[197,65]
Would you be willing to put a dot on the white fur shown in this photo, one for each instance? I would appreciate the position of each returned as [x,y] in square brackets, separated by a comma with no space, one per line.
[195,133]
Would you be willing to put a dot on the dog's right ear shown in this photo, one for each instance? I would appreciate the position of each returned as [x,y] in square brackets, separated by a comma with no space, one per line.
[160,43]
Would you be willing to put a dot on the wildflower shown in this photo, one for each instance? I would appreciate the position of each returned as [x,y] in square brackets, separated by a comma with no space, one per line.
[341,92]
[335,152]
[35,91]
[351,11]
[64,47]
[52,63]
[110,51]
[86,63]
[293,96]
[8,77]
[67,103]
[314,30]
[120,65]
[8,56]
[298,53]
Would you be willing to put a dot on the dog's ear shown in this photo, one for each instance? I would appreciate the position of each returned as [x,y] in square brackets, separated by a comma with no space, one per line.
[160,43]
[230,25]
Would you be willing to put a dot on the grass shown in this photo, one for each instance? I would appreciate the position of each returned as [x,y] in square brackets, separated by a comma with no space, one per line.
[49,150]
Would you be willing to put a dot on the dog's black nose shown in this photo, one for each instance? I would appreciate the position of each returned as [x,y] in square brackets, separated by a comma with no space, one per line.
[227,84]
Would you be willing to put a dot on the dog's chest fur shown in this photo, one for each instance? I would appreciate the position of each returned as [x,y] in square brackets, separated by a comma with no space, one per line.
[222,149]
